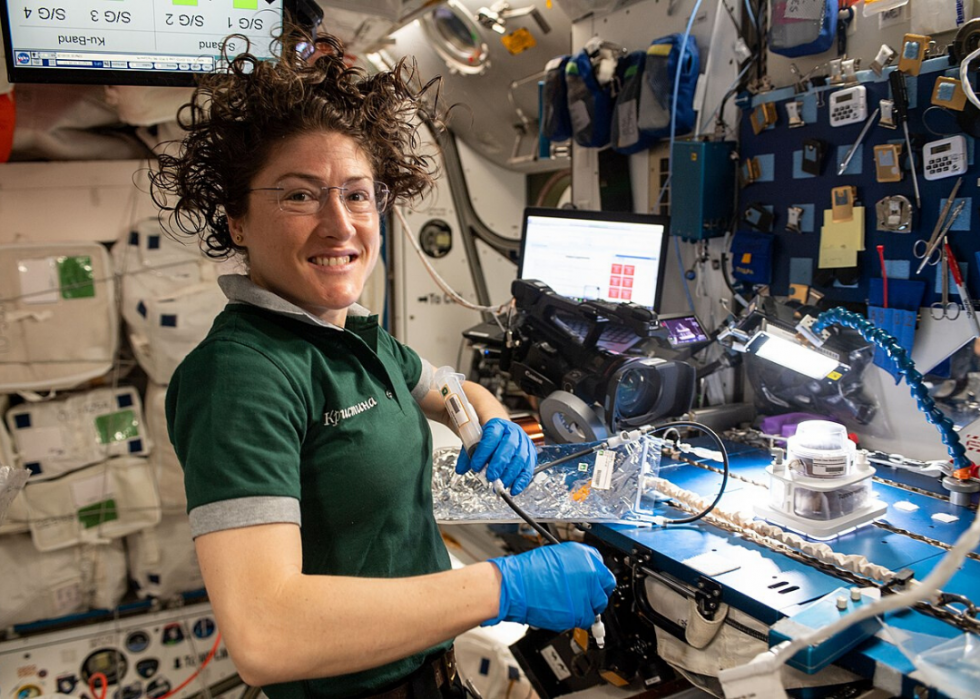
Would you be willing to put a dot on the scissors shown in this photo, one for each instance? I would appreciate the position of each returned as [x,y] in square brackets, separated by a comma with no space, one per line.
[944,309]
[967,302]
[932,252]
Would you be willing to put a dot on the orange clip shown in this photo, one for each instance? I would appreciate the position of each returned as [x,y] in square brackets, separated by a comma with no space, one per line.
[965,474]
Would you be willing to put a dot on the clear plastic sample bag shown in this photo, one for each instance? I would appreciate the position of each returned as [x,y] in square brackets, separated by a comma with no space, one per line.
[603,486]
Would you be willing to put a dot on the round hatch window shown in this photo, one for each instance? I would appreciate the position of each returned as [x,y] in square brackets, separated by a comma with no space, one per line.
[456,38]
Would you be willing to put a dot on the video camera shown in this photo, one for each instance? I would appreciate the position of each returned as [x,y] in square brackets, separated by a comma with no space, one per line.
[559,351]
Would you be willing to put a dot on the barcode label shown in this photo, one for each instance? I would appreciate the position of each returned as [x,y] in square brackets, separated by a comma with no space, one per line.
[603,471]
[456,410]
[829,465]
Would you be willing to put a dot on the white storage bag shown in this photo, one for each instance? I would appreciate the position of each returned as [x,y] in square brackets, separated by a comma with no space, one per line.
[16,518]
[7,457]
[39,586]
[94,504]
[170,297]
[16,521]
[58,436]
[162,560]
[166,465]
[58,318]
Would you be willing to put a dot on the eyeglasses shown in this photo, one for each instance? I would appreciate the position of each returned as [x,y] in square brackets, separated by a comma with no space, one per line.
[360,197]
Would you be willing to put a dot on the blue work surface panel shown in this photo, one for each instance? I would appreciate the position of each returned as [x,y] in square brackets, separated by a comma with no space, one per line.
[770,586]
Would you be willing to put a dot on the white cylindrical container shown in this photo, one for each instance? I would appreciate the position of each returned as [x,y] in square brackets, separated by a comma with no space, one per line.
[461,412]
[820,449]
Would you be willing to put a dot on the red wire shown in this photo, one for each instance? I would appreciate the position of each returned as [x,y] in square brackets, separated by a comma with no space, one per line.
[105,685]
[105,681]
[197,672]
[884,274]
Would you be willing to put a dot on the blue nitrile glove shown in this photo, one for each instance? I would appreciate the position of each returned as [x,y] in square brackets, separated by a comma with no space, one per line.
[507,453]
[556,587]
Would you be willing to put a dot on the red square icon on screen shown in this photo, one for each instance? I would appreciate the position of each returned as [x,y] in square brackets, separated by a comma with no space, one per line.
[614,293]
[615,281]
[628,270]
[617,269]
[626,294]
[628,282]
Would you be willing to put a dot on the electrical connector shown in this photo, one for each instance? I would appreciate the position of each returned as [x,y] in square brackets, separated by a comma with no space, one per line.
[760,677]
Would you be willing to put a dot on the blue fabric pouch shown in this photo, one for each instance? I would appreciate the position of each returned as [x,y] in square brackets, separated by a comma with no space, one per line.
[556,125]
[899,319]
[802,27]
[589,103]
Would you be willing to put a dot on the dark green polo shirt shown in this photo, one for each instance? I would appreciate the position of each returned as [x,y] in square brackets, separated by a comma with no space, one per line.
[277,417]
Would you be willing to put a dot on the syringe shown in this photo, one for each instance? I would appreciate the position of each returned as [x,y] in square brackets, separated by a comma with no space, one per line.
[463,416]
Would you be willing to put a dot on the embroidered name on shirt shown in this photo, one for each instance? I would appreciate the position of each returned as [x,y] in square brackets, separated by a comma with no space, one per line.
[332,418]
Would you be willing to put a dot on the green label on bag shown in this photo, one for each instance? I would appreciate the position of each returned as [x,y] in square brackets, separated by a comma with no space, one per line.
[99,513]
[75,277]
[117,427]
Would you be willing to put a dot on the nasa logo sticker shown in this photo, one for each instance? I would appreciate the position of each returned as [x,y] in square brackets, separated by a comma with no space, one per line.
[23,58]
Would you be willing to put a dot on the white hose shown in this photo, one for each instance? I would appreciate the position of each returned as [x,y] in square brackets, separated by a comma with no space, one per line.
[967,87]
[440,282]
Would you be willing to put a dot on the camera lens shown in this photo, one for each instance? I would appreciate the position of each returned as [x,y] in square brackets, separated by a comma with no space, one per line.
[637,392]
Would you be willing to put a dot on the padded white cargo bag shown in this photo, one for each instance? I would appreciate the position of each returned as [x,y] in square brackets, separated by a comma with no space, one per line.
[94,504]
[170,296]
[6,445]
[58,322]
[166,466]
[58,436]
[162,560]
[16,521]
[38,586]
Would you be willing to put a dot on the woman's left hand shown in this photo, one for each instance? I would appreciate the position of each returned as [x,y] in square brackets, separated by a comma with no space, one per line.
[506,452]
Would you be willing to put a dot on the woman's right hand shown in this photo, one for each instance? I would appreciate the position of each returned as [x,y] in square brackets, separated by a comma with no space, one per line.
[553,587]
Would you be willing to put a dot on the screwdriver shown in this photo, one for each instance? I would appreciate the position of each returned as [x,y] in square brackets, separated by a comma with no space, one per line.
[900,95]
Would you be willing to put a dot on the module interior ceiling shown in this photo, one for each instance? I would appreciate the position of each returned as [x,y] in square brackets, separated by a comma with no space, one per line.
[494,89]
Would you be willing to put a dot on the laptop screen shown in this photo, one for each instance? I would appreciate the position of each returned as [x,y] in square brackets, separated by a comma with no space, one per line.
[587,255]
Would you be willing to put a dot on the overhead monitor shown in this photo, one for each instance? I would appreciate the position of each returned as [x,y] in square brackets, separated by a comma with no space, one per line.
[588,255]
[137,42]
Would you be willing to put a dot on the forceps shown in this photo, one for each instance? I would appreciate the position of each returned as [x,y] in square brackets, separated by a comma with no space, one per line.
[926,252]
[944,309]
[930,253]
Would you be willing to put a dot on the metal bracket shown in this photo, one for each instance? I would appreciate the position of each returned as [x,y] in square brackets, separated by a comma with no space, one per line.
[708,597]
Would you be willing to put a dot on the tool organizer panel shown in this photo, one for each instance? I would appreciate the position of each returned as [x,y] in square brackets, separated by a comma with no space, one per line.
[781,181]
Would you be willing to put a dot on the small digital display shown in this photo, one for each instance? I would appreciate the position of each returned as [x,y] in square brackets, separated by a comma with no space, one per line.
[684,330]
[942,148]
[845,97]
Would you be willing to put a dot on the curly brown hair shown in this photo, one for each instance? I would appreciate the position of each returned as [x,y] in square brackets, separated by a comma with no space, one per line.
[236,118]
